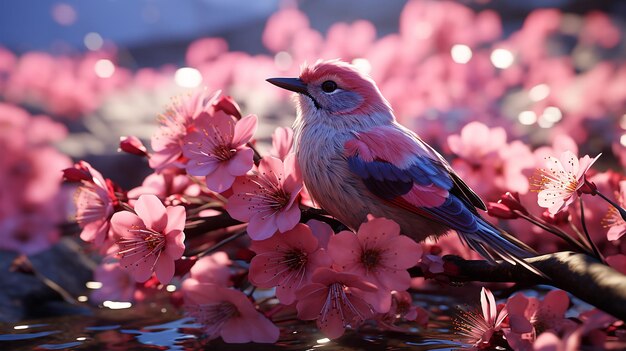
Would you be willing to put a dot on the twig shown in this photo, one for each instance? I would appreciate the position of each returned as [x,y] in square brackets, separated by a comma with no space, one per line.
[579,274]
[596,252]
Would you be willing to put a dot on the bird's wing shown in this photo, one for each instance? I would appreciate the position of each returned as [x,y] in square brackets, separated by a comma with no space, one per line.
[399,168]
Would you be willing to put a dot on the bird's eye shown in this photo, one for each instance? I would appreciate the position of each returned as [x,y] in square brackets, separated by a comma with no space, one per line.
[329,86]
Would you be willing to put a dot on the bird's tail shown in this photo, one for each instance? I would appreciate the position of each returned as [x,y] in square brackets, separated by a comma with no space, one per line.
[494,243]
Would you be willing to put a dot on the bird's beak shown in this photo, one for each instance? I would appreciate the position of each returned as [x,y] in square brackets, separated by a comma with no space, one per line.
[293,84]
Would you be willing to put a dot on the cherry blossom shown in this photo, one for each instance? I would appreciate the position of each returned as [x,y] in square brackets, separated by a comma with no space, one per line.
[267,198]
[150,240]
[94,206]
[282,141]
[478,328]
[287,261]
[560,182]
[379,254]
[529,317]
[227,313]
[212,269]
[335,301]
[217,149]
[117,284]
[175,123]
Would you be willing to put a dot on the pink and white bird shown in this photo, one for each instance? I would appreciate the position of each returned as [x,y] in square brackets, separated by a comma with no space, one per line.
[356,159]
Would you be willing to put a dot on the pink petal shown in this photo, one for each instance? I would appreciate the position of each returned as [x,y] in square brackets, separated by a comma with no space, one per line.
[517,304]
[202,166]
[220,180]
[311,298]
[269,164]
[264,269]
[379,300]
[175,244]
[322,232]
[238,206]
[292,182]
[150,209]
[404,251]
[519,324]
[175,218]
[122,221]
[261,227]
[331,324]
[488,304]
[300,237]
[220,127]
[141,268]
[344,248]
[394,279]
[263,330]
[569,161]
[241,162]
[286,220]
[244,130]
[164,268]
[614,233]
[554,304]
[236,330]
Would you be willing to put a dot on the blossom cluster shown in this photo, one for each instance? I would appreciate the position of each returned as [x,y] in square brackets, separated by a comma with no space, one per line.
[33,204]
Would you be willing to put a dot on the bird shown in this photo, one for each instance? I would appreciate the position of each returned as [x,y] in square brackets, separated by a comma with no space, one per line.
[357,160]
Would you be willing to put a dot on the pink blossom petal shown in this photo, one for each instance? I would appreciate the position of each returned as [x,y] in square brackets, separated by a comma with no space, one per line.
[614,233]
[175,244]
[263,330]
[332,324]
[270,164]
[150,209]
[300,237]
[236,330]
[488,304]
[141,268]
[261,227]
[202,166]
[519,324]
[244,130]
[342,248]
[220,127]
[264,269]
[122,221]
[554,304]
[311,298]
[405,251]
[292,182]
[322,232]
[175,218]
[220,180]
[288,219]
[164,268]
[394,279]
[241,162]
[570,164]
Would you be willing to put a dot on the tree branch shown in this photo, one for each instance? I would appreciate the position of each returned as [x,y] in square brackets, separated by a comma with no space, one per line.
[579,274]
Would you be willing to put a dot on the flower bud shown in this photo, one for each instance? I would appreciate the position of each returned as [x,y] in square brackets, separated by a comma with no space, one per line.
[132,145]
[228,105]
[588,187]
[77,173]
[560,218]
[508,207]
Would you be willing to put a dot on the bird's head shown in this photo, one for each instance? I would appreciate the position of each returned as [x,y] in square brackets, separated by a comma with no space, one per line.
[335,89]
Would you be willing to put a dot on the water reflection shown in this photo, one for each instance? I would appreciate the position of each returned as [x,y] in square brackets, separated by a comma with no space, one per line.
[150,326]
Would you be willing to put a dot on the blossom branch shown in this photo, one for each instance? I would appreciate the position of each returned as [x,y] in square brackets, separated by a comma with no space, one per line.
[579,274]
